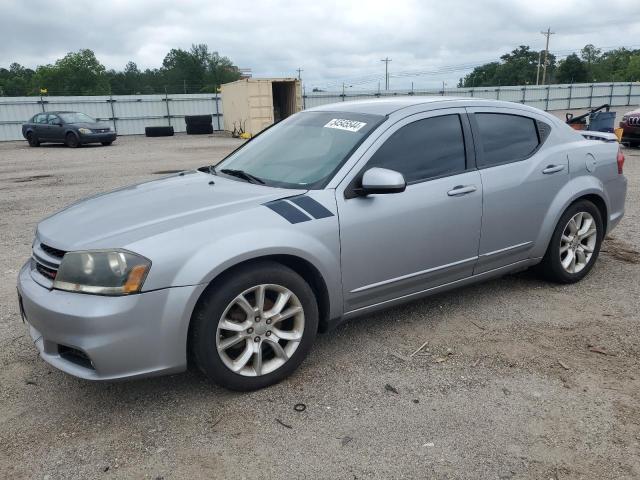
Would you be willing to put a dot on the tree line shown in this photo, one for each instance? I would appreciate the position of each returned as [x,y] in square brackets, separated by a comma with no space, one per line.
[197,70]
[591,64]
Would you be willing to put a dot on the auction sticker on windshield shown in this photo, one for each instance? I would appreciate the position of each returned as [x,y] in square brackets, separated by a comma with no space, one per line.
[343,124]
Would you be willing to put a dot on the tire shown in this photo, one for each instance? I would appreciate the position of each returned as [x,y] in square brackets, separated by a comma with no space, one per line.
[560,249]
[106,144]
[71,140]
[33,140]
[198,119]
[199,129]
[158,131]
[207,329]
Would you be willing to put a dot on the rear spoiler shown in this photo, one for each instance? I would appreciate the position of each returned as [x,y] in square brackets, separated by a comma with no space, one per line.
[602,136]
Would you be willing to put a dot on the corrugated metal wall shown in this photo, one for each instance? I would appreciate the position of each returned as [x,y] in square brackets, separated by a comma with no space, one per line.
[545,97]
[128,114]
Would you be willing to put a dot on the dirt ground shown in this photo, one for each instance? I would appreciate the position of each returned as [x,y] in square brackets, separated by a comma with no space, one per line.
[519,378]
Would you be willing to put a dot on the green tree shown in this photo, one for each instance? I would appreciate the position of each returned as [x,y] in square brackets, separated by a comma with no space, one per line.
[482,76]
[16,81]
[517,67]
[633,69]
[77,73]
[590,55]
[197,70]
[572,70]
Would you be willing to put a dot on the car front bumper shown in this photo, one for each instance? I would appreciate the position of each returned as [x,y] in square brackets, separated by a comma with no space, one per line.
[109,338]
[97,137]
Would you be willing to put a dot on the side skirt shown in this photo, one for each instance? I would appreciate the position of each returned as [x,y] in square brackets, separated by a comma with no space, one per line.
[498,272]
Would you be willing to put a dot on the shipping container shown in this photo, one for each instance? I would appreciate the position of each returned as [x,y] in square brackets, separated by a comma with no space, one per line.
[253,104]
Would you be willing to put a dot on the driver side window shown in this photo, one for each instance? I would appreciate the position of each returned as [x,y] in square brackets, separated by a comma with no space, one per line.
[428,148]
[53,120]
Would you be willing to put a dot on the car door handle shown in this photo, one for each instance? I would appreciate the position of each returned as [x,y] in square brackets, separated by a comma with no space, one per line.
[461,190]
[553,169]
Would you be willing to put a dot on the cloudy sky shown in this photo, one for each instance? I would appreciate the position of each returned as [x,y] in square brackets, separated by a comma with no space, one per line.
[332,41]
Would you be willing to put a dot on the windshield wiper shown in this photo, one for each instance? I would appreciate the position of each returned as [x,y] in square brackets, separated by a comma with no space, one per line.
[242,174]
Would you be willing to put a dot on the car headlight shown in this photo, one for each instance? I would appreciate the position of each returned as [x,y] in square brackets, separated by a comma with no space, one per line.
[102,272]
[85,131]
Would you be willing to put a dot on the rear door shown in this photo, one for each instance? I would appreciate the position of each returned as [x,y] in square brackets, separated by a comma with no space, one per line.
[520,179]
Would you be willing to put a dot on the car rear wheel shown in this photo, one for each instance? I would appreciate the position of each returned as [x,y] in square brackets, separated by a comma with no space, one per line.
[254,327]
[575,244]
[71,141]
[33,140]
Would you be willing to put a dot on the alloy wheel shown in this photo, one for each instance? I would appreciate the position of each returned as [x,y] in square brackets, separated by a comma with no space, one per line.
[578,242]
[260,330]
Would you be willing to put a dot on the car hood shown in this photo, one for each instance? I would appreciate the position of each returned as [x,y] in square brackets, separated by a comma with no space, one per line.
[124,216]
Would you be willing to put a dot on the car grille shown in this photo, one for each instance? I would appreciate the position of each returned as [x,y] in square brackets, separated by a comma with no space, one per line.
[46,261]
[101,130]
[54,252]
[46,271]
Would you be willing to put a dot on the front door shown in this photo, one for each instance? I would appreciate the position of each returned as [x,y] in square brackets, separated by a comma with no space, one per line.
[399,244]
[55,130]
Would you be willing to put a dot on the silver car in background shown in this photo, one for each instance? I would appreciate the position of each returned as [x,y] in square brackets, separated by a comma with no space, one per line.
[335,212]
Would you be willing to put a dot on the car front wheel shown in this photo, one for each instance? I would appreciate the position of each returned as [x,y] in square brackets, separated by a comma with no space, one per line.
[71,141]
[33,140]
[254,327]
[575,243]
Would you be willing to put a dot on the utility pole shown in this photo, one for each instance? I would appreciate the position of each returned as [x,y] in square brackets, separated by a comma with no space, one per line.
[299,70]
[538,70]
[547,34]
[184,85]
[386,61]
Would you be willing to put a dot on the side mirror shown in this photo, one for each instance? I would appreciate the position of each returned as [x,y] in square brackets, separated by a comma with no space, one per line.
[381,180]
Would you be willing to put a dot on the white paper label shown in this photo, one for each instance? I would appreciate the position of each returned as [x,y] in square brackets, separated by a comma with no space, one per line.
[343,124]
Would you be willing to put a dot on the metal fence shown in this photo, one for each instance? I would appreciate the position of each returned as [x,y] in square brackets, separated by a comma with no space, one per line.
[545,97]
[128,114]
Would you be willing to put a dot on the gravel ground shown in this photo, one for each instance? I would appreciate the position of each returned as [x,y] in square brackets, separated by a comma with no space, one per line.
[507,386]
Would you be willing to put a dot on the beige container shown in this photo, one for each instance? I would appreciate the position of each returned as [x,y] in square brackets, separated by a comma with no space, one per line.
[256,103]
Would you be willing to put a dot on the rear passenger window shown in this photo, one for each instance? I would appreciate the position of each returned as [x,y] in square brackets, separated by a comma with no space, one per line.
[505,138]
[428,148]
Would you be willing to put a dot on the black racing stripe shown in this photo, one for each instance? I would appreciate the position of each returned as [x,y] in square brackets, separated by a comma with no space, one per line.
[288,211]
[311,206]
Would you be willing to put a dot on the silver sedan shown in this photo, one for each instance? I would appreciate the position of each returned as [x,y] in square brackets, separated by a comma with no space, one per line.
[333,213]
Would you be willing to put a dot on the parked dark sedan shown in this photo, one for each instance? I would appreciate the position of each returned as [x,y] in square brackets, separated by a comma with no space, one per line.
[71,128]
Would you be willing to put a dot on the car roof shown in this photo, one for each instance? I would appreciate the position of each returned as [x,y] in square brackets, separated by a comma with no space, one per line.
[387,106]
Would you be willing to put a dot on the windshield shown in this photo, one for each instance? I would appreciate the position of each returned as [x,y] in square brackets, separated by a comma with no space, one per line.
[75,117]
[302,151]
